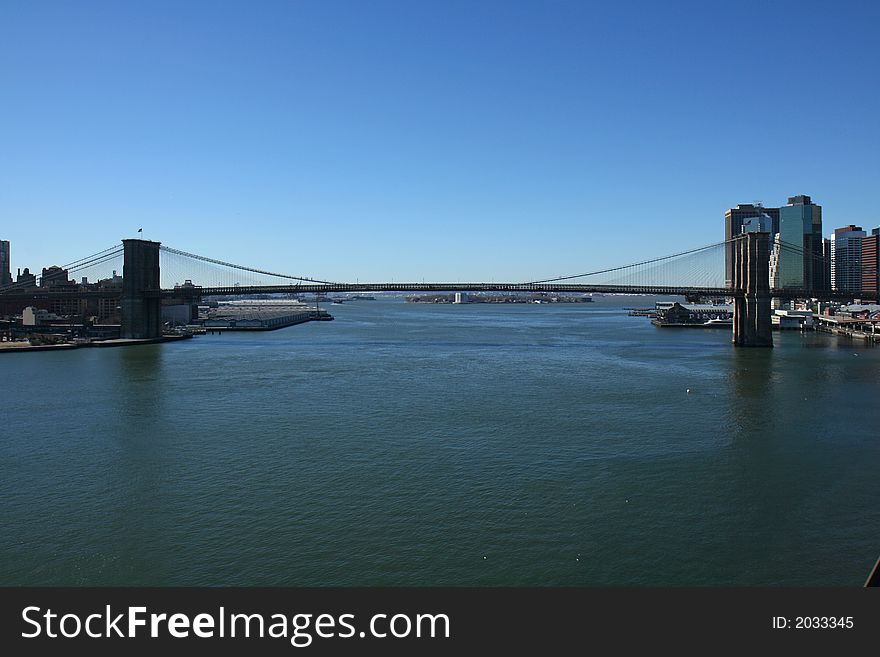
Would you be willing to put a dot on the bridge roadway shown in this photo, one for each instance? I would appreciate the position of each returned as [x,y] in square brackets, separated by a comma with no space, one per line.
[37,294]
[659,290]
[437,287]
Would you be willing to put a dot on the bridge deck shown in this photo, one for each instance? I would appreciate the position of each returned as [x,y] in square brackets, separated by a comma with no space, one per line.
[442,287]
[37,294]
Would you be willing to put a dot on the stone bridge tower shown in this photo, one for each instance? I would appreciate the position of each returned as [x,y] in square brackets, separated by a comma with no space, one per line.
[141,306]
[751,291]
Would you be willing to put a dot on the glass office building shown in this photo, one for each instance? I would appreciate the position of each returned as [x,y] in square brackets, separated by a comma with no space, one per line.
[800,262]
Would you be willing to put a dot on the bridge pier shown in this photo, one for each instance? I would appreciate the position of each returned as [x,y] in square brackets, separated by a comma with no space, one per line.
[141,312]
[751,283]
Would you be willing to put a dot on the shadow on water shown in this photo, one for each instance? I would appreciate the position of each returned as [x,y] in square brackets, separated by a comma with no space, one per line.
[138,476]
[140,376]
[779,469]
[750,393]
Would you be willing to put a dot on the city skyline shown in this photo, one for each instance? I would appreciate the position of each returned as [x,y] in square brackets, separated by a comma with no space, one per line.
[453,141]
[744,217]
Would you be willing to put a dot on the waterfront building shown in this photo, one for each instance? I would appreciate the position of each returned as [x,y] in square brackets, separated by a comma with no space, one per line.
[53,276]
[734,221]
[32,316]
[673,313]
[792,319]
[107,309]
[846,259]
[59,280]
[26,278]
[799,262]
[871,265]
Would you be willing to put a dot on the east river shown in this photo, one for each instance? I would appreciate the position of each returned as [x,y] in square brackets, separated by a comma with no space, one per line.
[409,444]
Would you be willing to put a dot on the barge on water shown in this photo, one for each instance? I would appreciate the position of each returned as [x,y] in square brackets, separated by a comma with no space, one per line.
[259,315]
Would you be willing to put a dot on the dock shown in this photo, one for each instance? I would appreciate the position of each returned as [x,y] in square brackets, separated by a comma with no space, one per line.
[128,342]
[22,347]
[26,347]
[856,328]
[260,316]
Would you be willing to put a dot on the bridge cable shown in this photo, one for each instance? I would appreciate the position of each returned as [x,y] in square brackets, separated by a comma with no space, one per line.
[168,249]
[635,264]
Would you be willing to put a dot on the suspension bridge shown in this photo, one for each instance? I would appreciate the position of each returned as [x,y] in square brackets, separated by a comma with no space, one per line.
[154,273]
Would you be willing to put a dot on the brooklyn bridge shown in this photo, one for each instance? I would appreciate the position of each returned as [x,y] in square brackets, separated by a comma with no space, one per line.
[154,274]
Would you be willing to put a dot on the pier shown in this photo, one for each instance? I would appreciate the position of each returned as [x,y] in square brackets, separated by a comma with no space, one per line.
[259,315]
[867,329]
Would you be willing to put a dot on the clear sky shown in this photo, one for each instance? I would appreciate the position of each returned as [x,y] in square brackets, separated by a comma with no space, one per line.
[454,140]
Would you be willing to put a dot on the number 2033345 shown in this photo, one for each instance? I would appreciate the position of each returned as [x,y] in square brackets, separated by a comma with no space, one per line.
[813,622]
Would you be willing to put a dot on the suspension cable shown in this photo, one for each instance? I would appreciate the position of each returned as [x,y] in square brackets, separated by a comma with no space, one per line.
[636,264]
[242,267]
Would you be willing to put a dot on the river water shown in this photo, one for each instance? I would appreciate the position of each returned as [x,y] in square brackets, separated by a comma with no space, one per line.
[409,444]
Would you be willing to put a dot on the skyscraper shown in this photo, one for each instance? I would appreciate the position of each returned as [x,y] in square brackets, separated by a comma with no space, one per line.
[799,259]
[736,218]
[871,266]
[5,271]
[846,259]
[826,261]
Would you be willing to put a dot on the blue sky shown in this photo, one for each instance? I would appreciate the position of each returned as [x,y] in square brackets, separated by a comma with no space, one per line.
[428,140]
